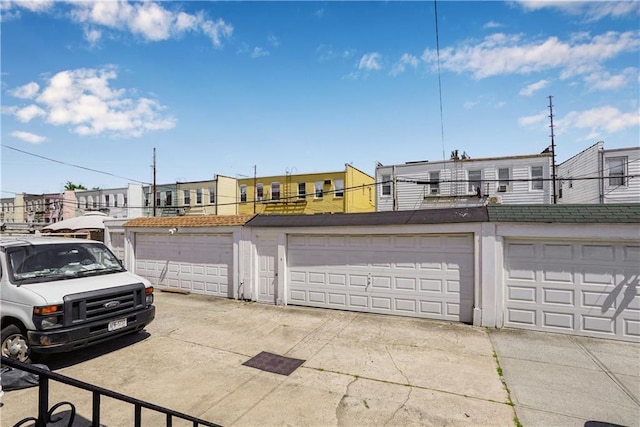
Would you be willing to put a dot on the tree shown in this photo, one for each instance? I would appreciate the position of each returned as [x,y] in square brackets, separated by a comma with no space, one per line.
[70,186]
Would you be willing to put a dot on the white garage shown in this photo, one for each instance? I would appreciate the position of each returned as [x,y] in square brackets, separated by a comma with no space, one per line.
[198,263]
[116,244]
[577,287]
[424,275]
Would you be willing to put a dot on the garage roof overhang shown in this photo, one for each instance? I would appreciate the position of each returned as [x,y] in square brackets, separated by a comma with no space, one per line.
[628,213]
[424,216]
[189,221]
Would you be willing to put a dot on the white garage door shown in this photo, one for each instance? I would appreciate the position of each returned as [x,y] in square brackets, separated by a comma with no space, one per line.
[427,276]
[117,244]
[199,263]
[573,287]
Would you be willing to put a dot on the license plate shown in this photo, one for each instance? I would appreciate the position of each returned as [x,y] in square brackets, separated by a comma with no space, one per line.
[117,324]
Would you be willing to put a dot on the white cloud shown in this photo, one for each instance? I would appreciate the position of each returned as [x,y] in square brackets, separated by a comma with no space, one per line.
[29,112]
[319,13]
[370,61]
[34,5]
[591,10]
[492,24]
[92,35]
[273,40]
[599,121]
[604,80]
[501,54]
[405,60]
[259,52]
[28,137]
[534,87]
[84,100]
[27,91]
[149,20]
[532,120]
[470,104]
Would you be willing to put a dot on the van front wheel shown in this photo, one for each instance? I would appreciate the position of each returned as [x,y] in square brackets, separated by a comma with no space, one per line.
[14,344]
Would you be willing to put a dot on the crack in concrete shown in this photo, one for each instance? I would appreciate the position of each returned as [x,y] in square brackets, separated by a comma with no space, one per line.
[341,407]
[399,407]
[407,383]
[607,372]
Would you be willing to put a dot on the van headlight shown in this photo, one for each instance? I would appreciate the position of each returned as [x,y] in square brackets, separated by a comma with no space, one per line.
[49,322]
[148,295]
[47,317]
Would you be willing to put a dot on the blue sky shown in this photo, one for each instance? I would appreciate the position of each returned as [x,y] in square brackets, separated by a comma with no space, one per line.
[301,87]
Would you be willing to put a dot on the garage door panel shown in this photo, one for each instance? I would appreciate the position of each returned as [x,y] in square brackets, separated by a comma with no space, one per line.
[595,293]
[631,254]
[197,263]
[413,275]
[558,251]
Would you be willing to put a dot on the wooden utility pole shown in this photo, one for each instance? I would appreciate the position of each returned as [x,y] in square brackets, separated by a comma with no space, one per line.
[153,194]
[255,186]
[553,153]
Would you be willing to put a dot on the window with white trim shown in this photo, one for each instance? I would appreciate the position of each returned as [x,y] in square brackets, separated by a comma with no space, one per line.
[617,167]
[212,195]
[259,191]
[503,180]
[339,188]
[168,198]
[243,193]
[187,197]
[434,182]
[106,200]
[536,178]
[475,181]
[302,190]
[386,185]
[275,191]
[318,186]
[198,196]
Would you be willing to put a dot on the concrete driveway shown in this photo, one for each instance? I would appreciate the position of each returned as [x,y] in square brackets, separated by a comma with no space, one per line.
[564,380]
[359,370]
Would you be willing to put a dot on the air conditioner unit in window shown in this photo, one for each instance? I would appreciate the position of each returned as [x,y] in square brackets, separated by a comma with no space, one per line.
[181,211]
[495,200]
[327,182]
[502,189]
[434,191]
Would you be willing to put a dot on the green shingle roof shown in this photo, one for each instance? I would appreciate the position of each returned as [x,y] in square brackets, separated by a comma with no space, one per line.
[606,214]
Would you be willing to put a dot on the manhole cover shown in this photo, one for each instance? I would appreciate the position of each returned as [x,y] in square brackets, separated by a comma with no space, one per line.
[274,363]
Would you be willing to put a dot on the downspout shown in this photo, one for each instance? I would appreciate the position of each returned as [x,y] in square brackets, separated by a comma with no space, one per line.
[394,183]
[601,176]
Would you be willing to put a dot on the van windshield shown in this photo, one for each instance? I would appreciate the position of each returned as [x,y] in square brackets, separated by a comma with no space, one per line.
[49,262]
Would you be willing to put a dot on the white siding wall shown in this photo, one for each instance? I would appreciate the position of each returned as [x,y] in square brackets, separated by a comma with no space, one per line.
[417,196]
[592,163]
[630,192]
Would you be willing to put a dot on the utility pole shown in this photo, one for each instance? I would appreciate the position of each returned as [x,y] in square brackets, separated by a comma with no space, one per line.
[553,152]
[154,182]
[255,186]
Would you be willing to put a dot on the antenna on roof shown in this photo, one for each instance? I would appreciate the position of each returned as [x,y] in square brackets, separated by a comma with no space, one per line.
[553,152]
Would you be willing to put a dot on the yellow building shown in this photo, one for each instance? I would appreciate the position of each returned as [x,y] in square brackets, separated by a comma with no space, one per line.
[350,190]
[213,197]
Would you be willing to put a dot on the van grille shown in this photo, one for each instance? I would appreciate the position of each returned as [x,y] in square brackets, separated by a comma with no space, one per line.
[103,304]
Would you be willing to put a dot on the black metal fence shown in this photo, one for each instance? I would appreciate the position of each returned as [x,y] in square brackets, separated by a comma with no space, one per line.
[45,414]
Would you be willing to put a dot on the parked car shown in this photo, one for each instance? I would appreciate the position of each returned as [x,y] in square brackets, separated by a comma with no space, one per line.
[59,294]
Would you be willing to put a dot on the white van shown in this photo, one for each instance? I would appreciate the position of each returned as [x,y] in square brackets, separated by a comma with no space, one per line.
[59,294]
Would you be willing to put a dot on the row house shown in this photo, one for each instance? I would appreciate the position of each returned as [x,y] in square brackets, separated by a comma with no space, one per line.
[349,190]
[210,197]
[124,202]
[465,182]
[598,175]
[12,209]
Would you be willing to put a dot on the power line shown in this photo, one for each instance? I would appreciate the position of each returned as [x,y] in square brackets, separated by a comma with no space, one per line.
[435,6]
[72,165]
